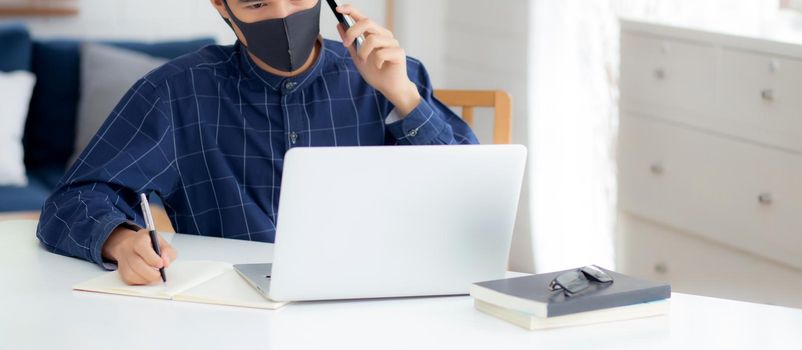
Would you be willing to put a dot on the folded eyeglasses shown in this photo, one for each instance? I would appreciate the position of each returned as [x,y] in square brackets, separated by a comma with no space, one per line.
[575,281]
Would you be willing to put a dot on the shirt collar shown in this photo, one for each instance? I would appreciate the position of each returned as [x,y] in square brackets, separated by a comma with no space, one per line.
[275,82]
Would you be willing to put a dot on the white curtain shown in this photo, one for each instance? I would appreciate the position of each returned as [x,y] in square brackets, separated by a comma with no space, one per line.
[573,75]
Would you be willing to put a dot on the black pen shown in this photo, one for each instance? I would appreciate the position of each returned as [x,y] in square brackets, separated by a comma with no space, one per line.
[154,238]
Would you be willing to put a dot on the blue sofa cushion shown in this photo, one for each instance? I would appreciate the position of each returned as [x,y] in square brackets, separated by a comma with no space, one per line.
[50,130]
[15,47]
[28,198]
[32,197]
[46,176]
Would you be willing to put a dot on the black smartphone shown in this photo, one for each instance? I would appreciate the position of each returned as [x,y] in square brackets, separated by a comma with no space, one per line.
[346,21]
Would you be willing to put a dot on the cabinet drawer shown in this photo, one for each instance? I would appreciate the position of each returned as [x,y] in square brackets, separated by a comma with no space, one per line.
[761,96]
[698,266]
[664,73]
[741,195]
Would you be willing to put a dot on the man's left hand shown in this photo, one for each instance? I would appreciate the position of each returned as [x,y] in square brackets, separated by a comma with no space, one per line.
[380,60]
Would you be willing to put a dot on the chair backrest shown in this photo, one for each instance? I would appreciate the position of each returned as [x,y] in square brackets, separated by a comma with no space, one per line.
[468,100]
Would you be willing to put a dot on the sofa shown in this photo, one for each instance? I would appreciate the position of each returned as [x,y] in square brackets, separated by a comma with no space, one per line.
[49,135]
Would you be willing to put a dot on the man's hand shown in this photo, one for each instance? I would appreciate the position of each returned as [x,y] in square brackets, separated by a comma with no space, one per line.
[381,60]
[136,261]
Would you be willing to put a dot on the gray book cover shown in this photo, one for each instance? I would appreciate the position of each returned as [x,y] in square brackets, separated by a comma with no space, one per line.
[625,290]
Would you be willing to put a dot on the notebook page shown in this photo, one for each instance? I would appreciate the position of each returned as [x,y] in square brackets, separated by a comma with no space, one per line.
[181,275]
[228,288]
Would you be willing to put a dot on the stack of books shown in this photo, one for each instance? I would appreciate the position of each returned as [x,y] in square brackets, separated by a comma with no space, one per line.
[529,302]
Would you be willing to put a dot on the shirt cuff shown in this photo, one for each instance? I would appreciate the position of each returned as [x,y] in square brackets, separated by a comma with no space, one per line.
[422,126]
[392,117]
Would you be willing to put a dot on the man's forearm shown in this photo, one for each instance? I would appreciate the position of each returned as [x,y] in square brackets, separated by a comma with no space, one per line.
[405,99]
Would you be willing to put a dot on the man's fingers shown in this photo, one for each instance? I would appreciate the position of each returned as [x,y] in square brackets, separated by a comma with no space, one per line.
[129,276]
[351,48]
[149,273]
[352,11]
[132,271]
[375,42]
[168,254]
[364,27]
[144,249]
[388,55]
[167,249]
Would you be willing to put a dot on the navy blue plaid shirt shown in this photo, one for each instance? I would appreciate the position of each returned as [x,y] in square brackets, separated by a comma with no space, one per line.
[207,133]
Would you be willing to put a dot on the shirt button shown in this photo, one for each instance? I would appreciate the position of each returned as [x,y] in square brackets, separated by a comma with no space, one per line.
[290,85]
[293,137]
[413,132]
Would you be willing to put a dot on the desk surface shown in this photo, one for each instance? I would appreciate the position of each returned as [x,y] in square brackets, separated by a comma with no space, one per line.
[38,310]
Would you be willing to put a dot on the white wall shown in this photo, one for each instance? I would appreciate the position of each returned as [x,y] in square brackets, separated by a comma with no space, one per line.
[420,27]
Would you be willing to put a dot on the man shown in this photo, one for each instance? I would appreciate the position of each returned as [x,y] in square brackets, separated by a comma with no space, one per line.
[207,132]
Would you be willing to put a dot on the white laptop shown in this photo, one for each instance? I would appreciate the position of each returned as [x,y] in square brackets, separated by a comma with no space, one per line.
[379,222]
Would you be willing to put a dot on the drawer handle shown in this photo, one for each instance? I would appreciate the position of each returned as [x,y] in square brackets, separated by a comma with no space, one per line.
[765,198]
[774,65]
[657,169]
[660,73]
[767,95]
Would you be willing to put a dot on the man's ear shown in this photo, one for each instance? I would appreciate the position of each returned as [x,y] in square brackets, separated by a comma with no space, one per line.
[221,8]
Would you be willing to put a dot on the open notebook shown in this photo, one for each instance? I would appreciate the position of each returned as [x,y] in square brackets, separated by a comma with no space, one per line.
[208,282]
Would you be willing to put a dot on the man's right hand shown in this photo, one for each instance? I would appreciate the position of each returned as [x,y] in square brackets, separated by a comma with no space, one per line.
[136,261]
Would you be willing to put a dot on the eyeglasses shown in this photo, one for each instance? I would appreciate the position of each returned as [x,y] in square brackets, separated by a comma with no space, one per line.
[573,282]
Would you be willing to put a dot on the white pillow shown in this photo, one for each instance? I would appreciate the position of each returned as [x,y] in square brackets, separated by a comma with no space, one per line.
[15,95]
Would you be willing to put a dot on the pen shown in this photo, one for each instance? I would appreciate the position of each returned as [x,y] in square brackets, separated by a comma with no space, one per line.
[154,238]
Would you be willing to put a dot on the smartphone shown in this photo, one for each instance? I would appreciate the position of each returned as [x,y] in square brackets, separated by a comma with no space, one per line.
[346,21]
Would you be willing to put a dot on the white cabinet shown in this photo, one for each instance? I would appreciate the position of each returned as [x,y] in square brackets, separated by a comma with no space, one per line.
[761,94]
[705,267]
[667,73]
[710,163]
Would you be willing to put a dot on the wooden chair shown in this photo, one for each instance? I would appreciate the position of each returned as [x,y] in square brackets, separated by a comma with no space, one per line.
[22,215]
[468,100]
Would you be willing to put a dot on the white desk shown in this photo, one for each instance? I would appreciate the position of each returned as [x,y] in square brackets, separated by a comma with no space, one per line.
[38,310]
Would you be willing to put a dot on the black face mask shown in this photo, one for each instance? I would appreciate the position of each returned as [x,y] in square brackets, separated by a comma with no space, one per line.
[282,43]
